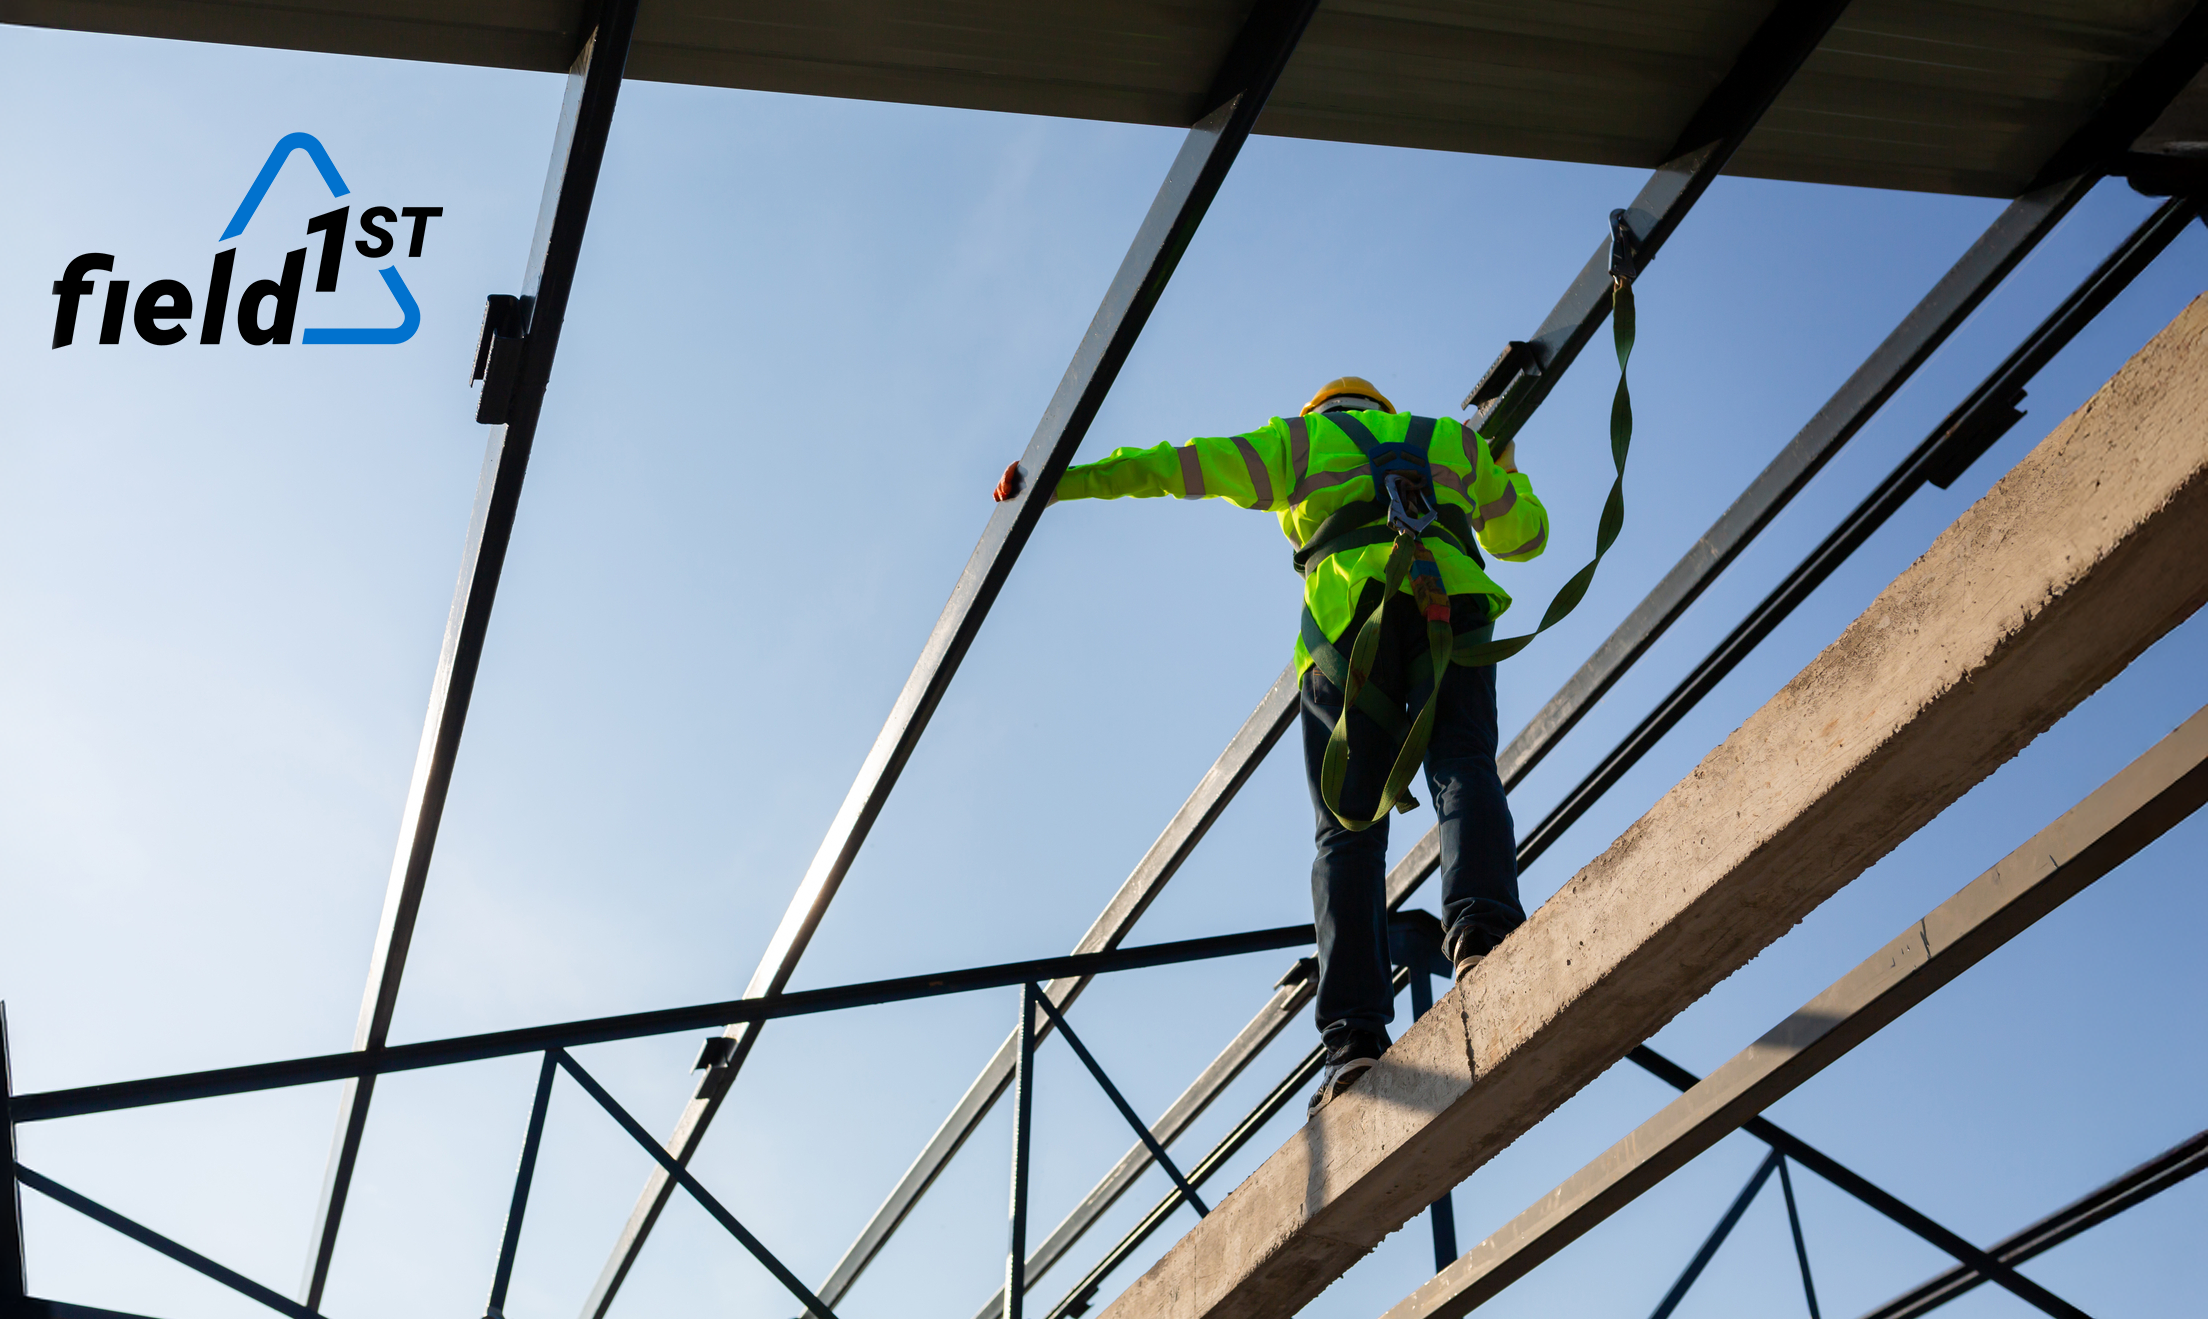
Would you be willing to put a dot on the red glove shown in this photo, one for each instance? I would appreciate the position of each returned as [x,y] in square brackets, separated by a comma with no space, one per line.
[1009,484]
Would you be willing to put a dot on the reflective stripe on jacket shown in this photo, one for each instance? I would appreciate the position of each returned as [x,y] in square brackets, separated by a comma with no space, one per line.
[1304,468]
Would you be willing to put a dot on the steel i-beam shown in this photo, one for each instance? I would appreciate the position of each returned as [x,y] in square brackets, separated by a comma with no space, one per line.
[2141,803]
[593,85]
[1222,124]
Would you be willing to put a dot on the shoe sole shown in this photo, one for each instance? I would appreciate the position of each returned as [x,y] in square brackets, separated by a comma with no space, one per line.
[1343,1080]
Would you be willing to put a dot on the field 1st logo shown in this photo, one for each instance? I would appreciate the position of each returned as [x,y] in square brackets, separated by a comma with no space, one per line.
[265,308]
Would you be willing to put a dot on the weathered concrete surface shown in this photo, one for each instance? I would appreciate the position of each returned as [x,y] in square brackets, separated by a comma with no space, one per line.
[2094,546]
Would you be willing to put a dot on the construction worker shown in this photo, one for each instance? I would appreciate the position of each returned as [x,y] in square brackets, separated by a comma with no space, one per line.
[1321,465]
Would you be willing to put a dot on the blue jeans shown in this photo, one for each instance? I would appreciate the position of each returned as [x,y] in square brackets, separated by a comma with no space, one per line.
[1479,860]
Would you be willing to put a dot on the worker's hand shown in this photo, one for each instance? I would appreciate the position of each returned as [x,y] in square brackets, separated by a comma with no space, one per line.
[1010,484]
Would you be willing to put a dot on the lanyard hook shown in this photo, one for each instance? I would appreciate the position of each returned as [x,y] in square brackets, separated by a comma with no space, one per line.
[1410,508]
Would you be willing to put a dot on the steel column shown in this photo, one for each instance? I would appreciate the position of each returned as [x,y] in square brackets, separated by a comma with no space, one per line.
[2123,815]
[1801,1244]
[1441,1215]
[1966,433]
[1023,1121]
[593,86]
[14,1275]
[510,1242]
[1222,124]
[1772,1162]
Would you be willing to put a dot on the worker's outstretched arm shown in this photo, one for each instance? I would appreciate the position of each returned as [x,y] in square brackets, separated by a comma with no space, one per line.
[1251,470]
[1507,515]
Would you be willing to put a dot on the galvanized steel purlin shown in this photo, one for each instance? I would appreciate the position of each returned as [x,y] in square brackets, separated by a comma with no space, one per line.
[1947,448]
[2070,171]
[594,85]
[1246,77]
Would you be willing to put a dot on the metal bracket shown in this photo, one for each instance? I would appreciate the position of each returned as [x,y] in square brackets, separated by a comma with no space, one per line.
[1625,248]
[498,354]
[716,1053]
[2159,174]
[1972,434]
[1518,358]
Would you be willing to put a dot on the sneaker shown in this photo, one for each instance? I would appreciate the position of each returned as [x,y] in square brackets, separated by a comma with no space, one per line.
[1339,1077]
[1456,947]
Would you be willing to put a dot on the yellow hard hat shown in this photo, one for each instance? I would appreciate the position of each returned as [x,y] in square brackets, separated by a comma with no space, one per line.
[1357,385]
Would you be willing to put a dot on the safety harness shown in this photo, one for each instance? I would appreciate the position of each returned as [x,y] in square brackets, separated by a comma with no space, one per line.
[1404,513]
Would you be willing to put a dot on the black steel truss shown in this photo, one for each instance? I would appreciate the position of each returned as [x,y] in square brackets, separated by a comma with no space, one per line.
[514,361]
[2141,1184]
[118,1095]
[553,1042]
[1787,1144]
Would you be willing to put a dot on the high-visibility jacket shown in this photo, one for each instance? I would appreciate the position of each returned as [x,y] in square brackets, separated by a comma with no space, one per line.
[1304,468]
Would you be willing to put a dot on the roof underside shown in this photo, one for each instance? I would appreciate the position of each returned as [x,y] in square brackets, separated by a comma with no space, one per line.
[1930,95]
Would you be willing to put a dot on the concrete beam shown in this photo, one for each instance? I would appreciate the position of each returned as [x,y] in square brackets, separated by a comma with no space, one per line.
[2131,810]
[2076,561]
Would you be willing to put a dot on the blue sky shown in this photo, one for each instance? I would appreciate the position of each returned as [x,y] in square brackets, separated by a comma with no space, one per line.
[226,571]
